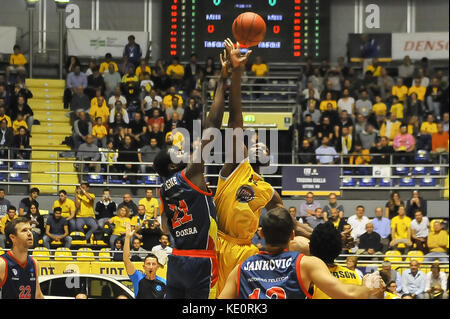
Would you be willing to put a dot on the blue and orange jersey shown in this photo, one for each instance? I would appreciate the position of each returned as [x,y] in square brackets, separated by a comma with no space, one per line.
[191,213]
[266,276]
[20,279]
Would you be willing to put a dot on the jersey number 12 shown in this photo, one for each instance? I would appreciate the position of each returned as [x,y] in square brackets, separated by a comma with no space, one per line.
[271,293]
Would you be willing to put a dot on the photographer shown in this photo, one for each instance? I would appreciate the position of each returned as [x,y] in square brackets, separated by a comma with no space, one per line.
[151,233]
[105,208]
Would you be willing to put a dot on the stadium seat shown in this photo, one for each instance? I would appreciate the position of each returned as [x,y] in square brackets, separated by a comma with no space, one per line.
[427,181]
[114,180]
[42,252]
[385,182]
[151,180]
[436,170]
[85,254]
[348,182]
[393,256]
[414,253]
[15,177]
[95,179]
[63,254]
[3,165]
[21,166]
[363,171]
[422,156]
[419,170]
[367,182]
[348,171]
[401,170]
[78,238]
[104,252]
[407,181]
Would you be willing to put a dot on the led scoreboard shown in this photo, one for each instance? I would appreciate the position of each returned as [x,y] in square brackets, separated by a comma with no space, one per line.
[295,29]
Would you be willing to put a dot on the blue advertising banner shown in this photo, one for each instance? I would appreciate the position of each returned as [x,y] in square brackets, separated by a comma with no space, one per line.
[321,180]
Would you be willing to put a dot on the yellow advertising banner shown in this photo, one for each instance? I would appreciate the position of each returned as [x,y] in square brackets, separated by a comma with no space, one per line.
[94,267]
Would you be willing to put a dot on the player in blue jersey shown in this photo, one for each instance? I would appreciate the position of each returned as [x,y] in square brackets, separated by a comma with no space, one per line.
[147,285]
[279,273]
[18,271]
[189,213]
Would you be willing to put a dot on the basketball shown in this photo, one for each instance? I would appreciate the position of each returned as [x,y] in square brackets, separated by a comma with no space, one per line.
[249,29]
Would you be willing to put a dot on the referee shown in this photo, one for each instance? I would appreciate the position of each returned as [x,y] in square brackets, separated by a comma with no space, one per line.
[147,285]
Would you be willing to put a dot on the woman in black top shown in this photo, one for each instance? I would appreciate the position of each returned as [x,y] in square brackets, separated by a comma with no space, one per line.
[128,153]
[37,224]
[393,205]
[21,141]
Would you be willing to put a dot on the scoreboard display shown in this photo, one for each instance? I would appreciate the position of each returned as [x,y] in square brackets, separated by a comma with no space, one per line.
[295,29]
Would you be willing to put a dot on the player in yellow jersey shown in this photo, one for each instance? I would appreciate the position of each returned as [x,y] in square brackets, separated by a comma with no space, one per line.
[326,244]
[241,192]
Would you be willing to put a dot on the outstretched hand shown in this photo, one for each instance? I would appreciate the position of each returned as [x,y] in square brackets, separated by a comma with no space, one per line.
[236,57]
[225,62]
[128,232]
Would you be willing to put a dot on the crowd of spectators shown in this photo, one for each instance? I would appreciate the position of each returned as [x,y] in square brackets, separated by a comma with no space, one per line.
[353,115]
[16,116]
[102,222]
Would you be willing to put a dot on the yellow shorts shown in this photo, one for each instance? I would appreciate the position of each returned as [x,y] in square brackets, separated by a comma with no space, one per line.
[230,253]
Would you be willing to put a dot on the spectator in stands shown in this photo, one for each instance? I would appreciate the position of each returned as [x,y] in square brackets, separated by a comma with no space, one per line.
[424,79]
[390,127]
[75,79]
[352,262]
[415,203]
[414,107]
[309,206]
[400,91]
[293,212]
[25,203]
[112,79]
[360,124]
[406,70]
[95,82]
[306,153]
[37,224]
[10,215]
[132,52]
[21,141]
[99,108]
[130,204]
[117,96]
[151,204]
[414,125]
[346,121]
[436,283]
[390,275]
[333,116]
[147,154]
[382,147]
[17,62]
[89,152]
[391,290]
[316,79]
[4,116]
[439,141]
[175,108]
[137,253]
[326,154]
[427,129]
[118,108]
[6,138]
[445,121]
[309,129]
[79,102]
[368,137]
[100,133]
[118,129]
[84,202]
[57,229]
[147,102]
[360,157]
[369,243]
[358,223]
[116,252]
[419,231]
[259,69]
[434,97]
[363,105]
[346,102]
[379,109]
[316,218]
[128,153]
[413,281]
[137,128]
[164,245]
[118,223]
[105,208]
[191,113]
[418,90]
[385,83]
[71,62]
[335,218]
[392,206]
[326,128]
[404,145]
[139,221]
[175,71]
[401,231]
[151,233]
[4,203]
[67,209]
[142,68]
[104,66]
[382,226]
[437,244]
[328,99]
[310,92]
[167,100]
[332,203]
[19,122]
[191,73]
[25,110]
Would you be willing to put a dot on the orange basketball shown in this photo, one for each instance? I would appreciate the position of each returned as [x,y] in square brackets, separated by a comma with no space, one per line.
[249,29]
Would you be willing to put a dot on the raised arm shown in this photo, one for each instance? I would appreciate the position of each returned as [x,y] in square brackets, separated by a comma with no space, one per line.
[129,267]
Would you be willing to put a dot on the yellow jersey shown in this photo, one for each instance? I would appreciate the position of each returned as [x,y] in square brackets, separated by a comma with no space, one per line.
[376,71]
[390,295]
[428,128]
[150,207]
[17,124]
[324,103]
[99,131]
[66,207]
[239,199]
[139,70]
[260,69]
[86,206]
[400,227]
[167,101]
[344,275]
[120,225]
[17,59]
[379,108]
[398,110]
[176,69]
[419,90]
[400,92]
[8,120]
[104,66]
[99,111]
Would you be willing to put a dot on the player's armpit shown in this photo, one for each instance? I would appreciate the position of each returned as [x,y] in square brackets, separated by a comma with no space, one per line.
[230,289]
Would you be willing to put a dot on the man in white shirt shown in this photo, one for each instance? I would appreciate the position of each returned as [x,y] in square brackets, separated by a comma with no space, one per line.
[164,245]
[419,231]
[148,100]
[413,281]
[326,154]
[118,107]
[117,96]
[358,223]
[346,102]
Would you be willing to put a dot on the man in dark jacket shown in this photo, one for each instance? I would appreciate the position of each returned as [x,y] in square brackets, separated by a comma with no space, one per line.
[369,242]
[6,138]
[128,202]
[105,209]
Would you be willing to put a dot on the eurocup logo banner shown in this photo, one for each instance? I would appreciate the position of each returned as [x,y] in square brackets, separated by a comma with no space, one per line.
[318,179]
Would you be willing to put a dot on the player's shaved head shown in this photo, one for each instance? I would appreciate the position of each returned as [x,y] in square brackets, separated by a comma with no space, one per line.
[277,226]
